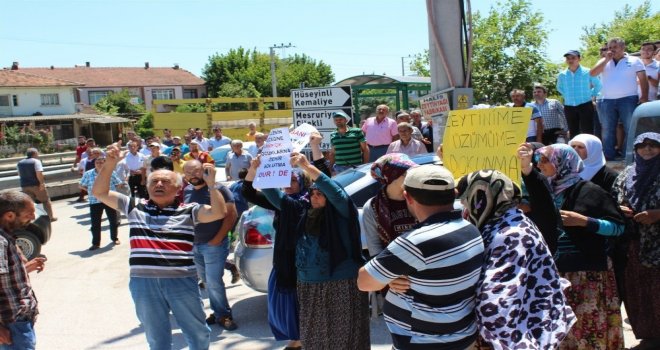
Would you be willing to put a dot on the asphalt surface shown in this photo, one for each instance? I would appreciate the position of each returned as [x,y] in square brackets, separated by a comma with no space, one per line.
[84,301]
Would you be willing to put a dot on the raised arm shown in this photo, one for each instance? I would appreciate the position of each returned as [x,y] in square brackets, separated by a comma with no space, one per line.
[335,195]
[218,208]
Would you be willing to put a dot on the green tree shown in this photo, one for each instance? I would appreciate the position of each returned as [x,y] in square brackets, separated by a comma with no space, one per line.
[508,45]
[633,25]
[145,125]
[246,73]
[420,64]
[118,103]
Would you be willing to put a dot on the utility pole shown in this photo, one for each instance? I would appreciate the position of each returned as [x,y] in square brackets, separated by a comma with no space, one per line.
[273,77]
[403,69]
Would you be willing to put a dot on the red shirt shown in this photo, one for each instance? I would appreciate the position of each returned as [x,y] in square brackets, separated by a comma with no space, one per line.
[80,150]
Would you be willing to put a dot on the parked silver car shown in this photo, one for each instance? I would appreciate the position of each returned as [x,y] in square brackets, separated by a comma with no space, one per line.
[254,251]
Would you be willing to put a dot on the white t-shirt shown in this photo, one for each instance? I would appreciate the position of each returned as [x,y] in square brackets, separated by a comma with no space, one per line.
[620,80]
[652,70]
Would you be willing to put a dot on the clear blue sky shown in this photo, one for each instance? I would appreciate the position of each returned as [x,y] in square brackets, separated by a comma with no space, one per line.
[353,37]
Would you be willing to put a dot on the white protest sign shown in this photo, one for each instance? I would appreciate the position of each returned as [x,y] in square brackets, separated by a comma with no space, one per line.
[300,136]
[275,168]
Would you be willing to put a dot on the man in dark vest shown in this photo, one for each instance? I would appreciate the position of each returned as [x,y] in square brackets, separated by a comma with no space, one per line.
[31,173]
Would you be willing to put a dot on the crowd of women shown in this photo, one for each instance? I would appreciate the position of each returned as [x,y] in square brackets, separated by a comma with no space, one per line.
[562,251]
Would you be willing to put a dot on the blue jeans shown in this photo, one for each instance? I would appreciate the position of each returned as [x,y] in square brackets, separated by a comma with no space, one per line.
[22,336]
[210,262]
[155,297]
[610,112]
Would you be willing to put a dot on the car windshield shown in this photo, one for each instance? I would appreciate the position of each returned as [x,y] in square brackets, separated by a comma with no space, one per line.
[220,156]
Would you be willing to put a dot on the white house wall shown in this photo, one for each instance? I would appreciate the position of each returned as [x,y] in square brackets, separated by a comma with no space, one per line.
[29,101]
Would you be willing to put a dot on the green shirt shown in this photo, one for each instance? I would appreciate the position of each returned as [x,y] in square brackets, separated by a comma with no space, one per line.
[347,146]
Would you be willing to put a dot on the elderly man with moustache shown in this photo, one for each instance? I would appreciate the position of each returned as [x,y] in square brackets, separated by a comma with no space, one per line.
[380,131]
[163,276]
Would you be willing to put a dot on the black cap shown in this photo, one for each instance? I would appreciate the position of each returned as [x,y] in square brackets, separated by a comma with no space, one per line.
[572,53]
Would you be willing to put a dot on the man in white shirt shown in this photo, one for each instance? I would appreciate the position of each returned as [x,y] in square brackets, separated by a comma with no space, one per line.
[651,66]
[201,140]
[619,74]
[134,160]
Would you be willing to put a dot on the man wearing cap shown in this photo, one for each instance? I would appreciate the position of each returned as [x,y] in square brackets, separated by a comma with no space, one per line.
[379,132]
[349,147]
[432,271]
[176,142]
[619,74]
[177,162]
[579,89]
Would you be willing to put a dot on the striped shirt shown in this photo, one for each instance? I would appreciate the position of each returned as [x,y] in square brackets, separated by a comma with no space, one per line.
[17,299]
[442,258]
[579,87]
[552,113]
[161,238]
[347,146]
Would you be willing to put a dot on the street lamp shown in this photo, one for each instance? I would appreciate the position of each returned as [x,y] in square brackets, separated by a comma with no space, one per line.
[273,77]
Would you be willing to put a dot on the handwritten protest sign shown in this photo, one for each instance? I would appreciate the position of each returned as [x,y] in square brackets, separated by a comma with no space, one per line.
[477,139]
[275,168]
[300,136]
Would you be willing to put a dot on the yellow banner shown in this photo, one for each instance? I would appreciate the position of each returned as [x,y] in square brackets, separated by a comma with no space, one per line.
[477,139]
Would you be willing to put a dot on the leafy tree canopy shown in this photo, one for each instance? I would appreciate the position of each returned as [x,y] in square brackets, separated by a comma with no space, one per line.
[634,25]
[246,73]
[508,45]
[118,103]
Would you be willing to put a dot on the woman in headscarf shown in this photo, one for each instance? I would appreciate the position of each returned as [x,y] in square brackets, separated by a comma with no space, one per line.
[283,316]
[637,190]
[326,234]
[590,150]
[520,299]
[542,210]
[590,218]
[386,216]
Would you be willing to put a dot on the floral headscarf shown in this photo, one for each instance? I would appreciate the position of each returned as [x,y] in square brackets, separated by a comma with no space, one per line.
[567,163]
[595,157]
[390,167]
[640,178]
[392,216]
[488,194]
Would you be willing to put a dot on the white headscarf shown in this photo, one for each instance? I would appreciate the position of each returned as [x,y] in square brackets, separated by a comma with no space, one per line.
[595,158]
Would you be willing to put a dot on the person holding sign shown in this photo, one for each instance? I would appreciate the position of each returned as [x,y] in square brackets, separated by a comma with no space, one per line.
[325,228]
[282,298]
[349,147]
[591,218]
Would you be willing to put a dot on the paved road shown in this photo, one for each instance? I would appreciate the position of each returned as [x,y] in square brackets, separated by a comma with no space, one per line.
[85,303]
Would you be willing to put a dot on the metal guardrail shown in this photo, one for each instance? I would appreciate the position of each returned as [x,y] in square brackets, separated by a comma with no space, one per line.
[7,164]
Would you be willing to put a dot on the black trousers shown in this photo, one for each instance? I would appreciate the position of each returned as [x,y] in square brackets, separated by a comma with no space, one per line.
[580,118]
[95,214]
[135,186]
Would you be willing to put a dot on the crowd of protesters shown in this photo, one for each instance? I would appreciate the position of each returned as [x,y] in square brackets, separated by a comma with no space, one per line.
[544,265]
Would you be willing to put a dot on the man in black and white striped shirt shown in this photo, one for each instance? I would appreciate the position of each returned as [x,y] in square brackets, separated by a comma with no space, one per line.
[432,270]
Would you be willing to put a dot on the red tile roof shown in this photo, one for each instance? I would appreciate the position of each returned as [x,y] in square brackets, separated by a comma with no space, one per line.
[120,76]
[13,78]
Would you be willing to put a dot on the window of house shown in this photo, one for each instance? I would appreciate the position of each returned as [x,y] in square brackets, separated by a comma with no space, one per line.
[162,94]
[4,100]
[15,100]
[189,93]
[50,99]
[96,96]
